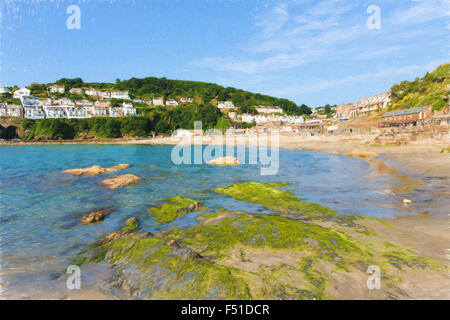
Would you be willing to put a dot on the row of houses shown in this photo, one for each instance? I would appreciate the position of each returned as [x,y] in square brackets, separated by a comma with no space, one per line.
[269,110]
[37,108]
[363,107]
[263,118]
[91,92]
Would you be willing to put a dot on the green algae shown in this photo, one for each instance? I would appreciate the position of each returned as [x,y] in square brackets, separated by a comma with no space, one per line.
[270,196]
[262,231]
[404,257]
[230,255]
[173,209]
[199,277]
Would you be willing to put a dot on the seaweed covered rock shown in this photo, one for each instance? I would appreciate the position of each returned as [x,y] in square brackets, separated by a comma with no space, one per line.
[242,255]
[175,208]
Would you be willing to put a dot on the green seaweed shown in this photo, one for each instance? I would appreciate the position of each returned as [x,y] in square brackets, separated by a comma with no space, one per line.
[215,259]
[284,202]
[200,278]
[173,209]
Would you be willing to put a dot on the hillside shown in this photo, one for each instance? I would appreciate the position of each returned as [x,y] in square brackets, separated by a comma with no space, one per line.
[202,92]
[432,89]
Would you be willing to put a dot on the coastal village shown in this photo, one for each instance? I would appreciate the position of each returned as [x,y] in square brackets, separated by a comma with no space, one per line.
[375,114]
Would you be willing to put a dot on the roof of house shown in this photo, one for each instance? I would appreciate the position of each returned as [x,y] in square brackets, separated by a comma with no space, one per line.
[403,112]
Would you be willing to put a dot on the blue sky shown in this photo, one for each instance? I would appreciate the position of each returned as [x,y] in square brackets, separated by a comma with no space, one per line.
[309,51]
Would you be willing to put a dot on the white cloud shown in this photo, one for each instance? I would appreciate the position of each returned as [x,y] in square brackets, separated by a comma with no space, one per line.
[405,71]
[371,54]
[276,62]
[425,11]
[272,21]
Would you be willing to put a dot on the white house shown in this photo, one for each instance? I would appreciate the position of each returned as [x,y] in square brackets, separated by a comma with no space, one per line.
[3,112]
[76,91]
[21,93]
[185,100]
[115,112]
[120,95]
[34,113]
[102,104]
[3,90]
[14,110]
[225,105]
[56,89]
[30,101]
[65,101]
[128,110]
[98,111]
[104,94]
[158,101]
[76,112]
[92,92]
[172,103]
[83,103]
[54,111]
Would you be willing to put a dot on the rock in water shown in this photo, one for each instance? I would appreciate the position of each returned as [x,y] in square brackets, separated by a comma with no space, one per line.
[224,161]
[95,217]
[96,170]
[131,224]
[121,181]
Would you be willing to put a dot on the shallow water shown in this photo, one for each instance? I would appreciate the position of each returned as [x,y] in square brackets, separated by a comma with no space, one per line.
[40,231]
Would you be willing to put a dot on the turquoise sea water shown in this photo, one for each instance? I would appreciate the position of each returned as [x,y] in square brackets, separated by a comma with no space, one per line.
[40,231]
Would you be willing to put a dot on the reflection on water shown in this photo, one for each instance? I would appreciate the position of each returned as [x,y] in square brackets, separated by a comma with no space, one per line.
[40,231]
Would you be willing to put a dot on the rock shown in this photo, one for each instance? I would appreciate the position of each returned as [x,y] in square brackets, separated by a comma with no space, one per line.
[121,166]
[121,181]
[190,208]
[122,233]
[95,217]
[173,243]
[223,161]
[96,170]
[362,154]
[131,224]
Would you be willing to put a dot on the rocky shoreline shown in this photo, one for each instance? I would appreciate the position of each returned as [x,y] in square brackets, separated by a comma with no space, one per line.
[300,251]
